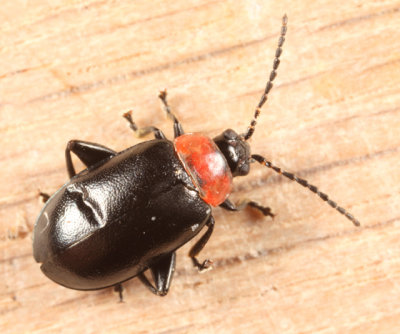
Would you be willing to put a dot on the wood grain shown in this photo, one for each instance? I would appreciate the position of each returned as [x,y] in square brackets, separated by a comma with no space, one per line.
[69,69]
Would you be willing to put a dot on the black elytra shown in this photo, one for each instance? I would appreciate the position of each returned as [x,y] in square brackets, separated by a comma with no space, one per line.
[128,212]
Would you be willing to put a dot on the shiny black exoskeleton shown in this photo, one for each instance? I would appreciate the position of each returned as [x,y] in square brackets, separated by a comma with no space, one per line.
[122,215]
[130,211]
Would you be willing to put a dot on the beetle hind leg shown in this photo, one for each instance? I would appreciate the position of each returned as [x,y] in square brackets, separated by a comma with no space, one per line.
[178,130]
[228,205]
[120,289]
[88,153]
[162,273]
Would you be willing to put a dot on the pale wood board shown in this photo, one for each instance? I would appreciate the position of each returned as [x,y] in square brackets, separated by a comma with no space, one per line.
[69,69]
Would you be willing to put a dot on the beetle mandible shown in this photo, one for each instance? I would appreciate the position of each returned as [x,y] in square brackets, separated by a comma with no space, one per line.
[130,211]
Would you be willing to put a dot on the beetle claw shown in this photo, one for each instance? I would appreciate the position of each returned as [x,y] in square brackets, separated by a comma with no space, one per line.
[43,196]
[267,212]
[205,266]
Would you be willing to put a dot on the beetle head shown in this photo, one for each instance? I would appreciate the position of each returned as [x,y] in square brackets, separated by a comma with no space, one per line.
[236,151]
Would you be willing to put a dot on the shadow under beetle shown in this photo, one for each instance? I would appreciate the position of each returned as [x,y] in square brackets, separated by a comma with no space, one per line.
[130,211]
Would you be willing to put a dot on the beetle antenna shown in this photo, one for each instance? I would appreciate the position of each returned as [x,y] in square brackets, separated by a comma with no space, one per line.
[305,183]
[272,76]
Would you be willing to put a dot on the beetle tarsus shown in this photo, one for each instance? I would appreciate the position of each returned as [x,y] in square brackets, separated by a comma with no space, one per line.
[141,132]
[266,211]
[162,272]
[178,130]
[199,245]
[202,267]
[230,206]
[148,285]
[44,196]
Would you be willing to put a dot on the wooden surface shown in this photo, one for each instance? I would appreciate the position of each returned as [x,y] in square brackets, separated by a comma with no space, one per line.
[69,69]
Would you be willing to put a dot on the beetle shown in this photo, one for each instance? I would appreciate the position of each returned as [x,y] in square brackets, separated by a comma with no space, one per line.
[128,212]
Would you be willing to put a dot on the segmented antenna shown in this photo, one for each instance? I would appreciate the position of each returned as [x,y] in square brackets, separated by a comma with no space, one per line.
[272,76]
[305,184]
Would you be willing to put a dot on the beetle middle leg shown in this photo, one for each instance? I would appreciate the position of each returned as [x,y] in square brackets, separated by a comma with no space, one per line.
[141,132]
[199,245]
[162,273]
[178,130]
[228,205]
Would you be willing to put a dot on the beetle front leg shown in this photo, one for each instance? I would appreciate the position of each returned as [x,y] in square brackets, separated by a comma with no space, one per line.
[228,205]
[162,273]
[141,132]
[199,245]
[178,130]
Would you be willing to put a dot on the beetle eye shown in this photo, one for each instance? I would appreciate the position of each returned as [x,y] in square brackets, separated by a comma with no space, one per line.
[230,134]
[244,168]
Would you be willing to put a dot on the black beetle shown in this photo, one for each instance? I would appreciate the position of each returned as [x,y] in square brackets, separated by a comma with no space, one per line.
[130,211]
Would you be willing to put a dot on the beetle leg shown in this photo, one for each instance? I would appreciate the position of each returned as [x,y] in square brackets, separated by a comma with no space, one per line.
[119,288]
[178,130]
[228,205]
[141,132]
[162,273]
[88,153]
[199,245]
[45,196]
